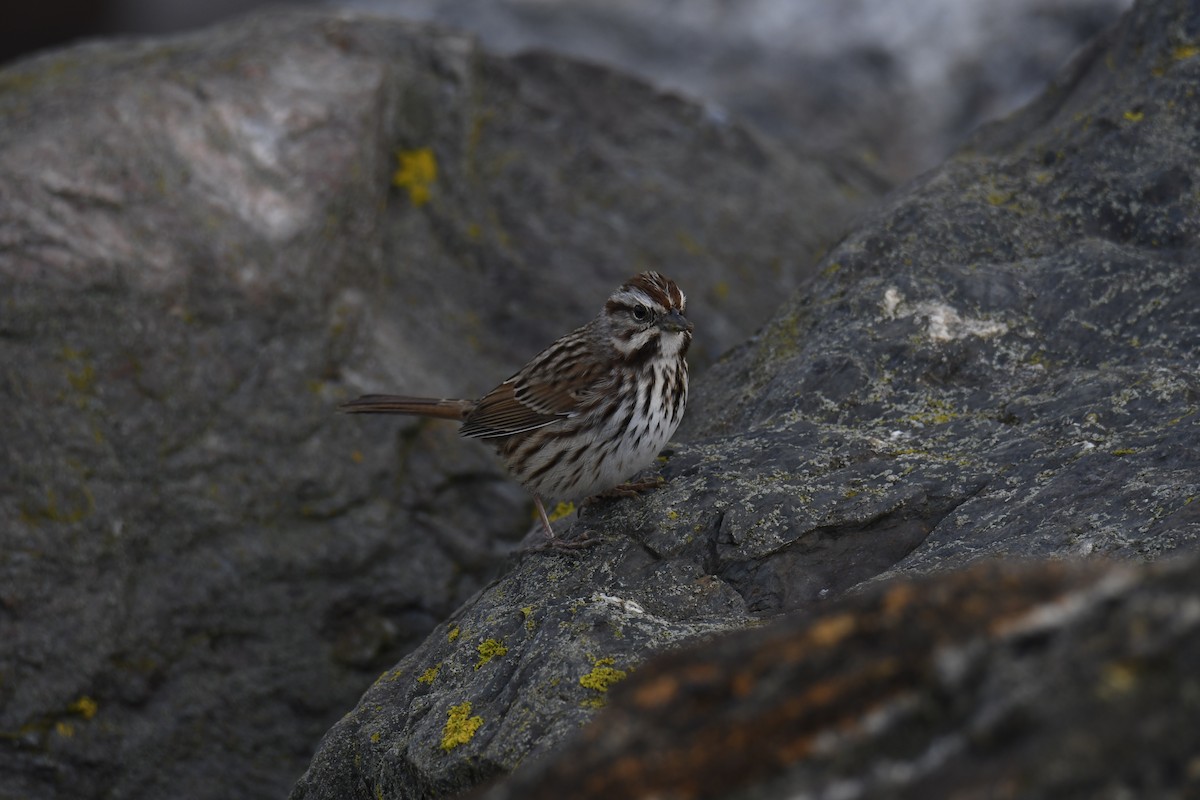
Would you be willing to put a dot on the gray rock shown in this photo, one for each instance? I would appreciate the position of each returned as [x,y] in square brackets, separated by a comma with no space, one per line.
[203,248]
[900,84]
[1035,682]
[999,363]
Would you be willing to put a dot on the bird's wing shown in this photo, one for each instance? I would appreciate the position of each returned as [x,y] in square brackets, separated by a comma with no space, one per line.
[544,392]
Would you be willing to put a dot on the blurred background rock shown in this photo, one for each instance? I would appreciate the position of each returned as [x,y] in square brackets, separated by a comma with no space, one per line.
[899,85]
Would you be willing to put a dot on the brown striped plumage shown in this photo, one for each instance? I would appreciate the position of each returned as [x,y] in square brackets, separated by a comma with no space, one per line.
[590,410]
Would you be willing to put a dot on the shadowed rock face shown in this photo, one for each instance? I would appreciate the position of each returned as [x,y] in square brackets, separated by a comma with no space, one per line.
[1001,362]
[205,244]
[1046,681]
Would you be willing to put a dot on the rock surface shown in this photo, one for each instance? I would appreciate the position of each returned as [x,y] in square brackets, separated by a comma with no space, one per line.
[983,682]
[901,84]
[999,363]
[205,244]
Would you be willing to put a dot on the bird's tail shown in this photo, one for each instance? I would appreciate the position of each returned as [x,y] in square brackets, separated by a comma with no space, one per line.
[400,404]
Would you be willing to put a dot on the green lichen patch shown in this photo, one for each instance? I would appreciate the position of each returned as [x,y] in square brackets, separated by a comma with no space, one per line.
[429,675]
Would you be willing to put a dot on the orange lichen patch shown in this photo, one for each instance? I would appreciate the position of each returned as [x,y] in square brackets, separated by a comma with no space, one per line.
[829,631]
[657,692]
[897,599]
[700,673]
[627,771]
[792,750]
[743,683]
[824,633]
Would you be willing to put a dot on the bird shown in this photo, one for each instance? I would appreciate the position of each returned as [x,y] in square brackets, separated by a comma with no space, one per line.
[588,412]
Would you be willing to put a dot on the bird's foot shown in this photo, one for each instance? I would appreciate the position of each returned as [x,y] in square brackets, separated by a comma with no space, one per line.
[551,543]
[630,489]
[562,544]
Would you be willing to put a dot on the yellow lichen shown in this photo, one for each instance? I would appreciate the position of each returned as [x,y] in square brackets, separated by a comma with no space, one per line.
[561,510]
[460,726]
[1117,679]
[430,674]
[452,634]
[937,412]
[689,245]
[69,511]
[416,172]
[602,676]
[390,676]
[1185,51]
[1135,116]
[85,707]
[82,374]
[489,649]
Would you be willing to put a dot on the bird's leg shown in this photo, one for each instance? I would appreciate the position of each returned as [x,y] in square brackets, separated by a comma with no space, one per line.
[553,542]
[541,509]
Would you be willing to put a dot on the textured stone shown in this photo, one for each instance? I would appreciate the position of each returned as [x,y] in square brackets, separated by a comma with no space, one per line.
[1044,681]
[999,362]
[207,242]
[901,84]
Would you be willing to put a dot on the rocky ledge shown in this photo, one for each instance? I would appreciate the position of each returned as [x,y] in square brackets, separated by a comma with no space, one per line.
[1001,362]
[207,242]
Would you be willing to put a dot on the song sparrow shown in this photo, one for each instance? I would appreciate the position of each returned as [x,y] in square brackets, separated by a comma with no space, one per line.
[590,410]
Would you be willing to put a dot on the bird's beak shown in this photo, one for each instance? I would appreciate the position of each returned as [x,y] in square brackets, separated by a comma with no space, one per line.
[675,322]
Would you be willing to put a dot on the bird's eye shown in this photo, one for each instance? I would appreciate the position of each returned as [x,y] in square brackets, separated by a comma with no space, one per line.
[641,313]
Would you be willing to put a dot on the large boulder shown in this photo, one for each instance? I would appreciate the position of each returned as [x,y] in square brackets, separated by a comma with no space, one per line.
[205,244]
[1001,362]
[903,84]
[1037,681]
